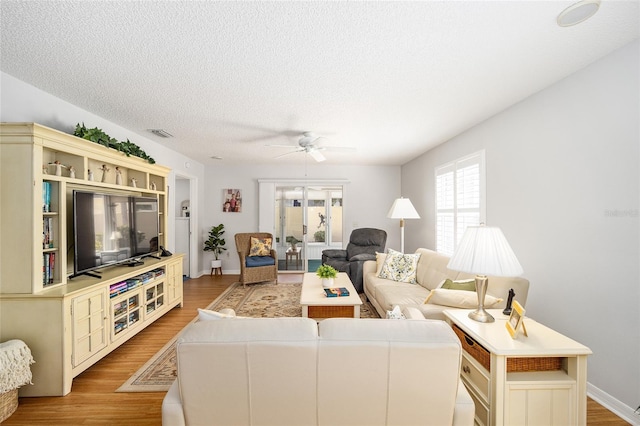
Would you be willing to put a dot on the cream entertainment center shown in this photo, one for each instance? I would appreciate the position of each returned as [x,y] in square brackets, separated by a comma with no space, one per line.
[71,320]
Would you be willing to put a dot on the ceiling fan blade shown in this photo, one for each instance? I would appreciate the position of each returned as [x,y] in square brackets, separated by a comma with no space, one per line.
[282,146]
[317,155]
[339,148]
[288,153]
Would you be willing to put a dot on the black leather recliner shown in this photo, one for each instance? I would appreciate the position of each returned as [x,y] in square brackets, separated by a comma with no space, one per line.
[363,245]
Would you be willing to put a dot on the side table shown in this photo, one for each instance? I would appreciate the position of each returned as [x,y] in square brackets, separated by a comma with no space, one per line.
[291,254]
[539,379]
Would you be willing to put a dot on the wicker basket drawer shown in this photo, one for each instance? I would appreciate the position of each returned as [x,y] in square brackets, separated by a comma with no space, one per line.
[534,364]
[473,348]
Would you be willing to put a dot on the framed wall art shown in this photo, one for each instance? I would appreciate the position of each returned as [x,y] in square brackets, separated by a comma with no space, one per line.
[231,201]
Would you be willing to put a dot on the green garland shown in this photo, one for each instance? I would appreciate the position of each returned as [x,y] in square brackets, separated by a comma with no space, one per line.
[98,136]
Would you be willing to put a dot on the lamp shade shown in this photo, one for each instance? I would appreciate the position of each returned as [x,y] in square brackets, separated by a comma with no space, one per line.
[484,250]
[402,209]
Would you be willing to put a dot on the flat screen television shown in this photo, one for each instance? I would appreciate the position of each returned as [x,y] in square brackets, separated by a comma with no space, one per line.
[111,229]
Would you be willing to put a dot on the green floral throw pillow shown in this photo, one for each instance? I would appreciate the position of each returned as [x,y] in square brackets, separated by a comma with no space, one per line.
[467,285]
[400,267]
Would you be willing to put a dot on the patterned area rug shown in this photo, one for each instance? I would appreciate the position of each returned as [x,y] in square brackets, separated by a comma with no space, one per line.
[256,300]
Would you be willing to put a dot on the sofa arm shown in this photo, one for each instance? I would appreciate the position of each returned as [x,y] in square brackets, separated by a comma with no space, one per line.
[172,413]
[369,266]
[362,256]
[334,254]
[410,312]
[465,411]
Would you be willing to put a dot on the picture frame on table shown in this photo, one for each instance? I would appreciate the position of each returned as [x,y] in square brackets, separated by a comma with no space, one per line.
[515,324]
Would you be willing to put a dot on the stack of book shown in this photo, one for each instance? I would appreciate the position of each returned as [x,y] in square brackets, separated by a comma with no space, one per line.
[145,278]
[157,272]
[118,288]
[133,282]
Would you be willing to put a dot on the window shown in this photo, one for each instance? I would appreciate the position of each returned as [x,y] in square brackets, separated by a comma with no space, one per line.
[460,199]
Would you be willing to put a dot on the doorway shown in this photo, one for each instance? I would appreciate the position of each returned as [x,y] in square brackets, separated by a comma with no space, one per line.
[308,220]
[185,223]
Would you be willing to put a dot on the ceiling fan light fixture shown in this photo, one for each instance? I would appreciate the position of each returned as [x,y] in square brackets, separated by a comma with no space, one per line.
[161,132]
[578,12]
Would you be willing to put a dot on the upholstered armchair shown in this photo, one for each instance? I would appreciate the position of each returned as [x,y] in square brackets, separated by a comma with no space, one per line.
[363,245]
[258,262]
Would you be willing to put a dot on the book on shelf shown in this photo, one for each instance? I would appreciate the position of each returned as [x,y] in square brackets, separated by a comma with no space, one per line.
[46,196]
[47,233]
[336,292]
[48,268]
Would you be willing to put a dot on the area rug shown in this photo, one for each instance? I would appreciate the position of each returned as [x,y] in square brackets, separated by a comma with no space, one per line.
[257,300]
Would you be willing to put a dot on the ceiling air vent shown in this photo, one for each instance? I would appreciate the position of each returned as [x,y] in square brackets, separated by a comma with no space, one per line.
[161,133]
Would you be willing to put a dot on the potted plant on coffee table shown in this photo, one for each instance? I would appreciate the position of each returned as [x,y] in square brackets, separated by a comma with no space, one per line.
[327,274]
[215,243]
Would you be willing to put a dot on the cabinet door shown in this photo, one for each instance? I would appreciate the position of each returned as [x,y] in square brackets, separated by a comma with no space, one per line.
[174,281]
[89,325]
[125,313]
[540,404]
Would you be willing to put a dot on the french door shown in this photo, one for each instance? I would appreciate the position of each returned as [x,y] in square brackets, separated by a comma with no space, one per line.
[306,219]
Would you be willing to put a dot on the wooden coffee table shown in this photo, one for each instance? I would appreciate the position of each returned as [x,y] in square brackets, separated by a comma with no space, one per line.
[316,305]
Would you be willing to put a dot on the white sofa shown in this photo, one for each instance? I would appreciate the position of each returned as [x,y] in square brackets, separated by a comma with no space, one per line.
[293,371]
[384,294]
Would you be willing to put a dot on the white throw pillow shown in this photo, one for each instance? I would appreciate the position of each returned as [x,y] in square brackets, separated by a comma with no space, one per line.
[207,315]
[400,267]
[459,298]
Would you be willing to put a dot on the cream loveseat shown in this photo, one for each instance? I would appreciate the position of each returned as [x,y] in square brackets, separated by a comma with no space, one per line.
[384,294]
[342,371]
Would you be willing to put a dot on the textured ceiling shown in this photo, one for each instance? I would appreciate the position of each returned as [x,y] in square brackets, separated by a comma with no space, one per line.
[391,79]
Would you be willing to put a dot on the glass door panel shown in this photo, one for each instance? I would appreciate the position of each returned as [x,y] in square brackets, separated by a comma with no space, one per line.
[290,228]
[324,210]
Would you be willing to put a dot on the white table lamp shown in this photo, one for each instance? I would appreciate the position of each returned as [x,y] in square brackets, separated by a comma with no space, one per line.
[402,209]
[484,251]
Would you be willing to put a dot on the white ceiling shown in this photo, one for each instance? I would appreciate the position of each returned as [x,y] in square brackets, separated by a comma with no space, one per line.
[392,79]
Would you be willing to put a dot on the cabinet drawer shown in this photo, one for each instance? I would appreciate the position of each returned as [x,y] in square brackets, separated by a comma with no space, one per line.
[472,374]
[481,411]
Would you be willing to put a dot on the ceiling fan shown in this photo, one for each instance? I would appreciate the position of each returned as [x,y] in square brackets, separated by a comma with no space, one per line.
[308,143]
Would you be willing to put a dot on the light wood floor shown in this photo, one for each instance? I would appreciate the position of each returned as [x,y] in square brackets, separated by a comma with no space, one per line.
[93,399]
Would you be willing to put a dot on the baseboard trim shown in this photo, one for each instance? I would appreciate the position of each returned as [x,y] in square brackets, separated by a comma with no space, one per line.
[612,404]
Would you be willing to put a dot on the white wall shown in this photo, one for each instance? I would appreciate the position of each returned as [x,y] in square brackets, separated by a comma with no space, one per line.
[563,184]
[371,190]
[368,197]
[22,102]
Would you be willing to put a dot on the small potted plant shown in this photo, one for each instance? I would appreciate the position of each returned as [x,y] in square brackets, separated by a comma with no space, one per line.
[215,243]
[327,274]
[294,243]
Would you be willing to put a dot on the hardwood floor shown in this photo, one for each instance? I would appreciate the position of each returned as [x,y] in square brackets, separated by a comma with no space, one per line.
[93,399]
